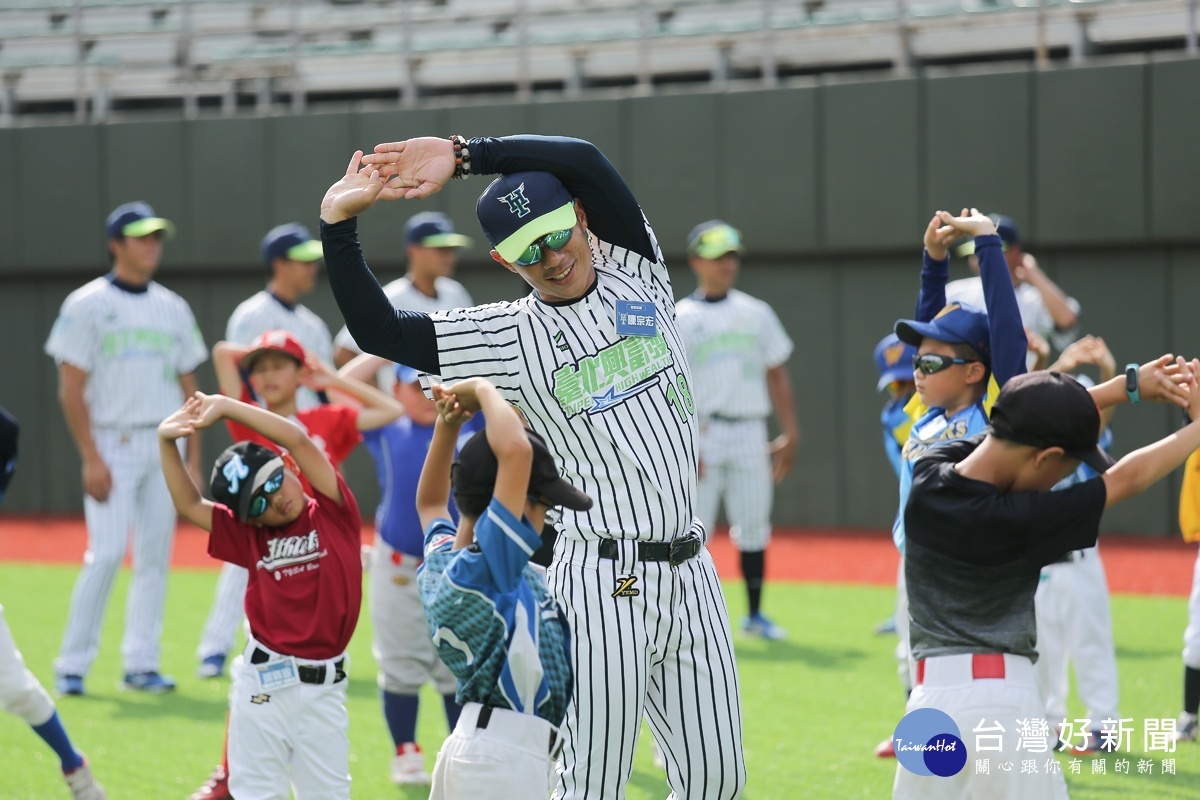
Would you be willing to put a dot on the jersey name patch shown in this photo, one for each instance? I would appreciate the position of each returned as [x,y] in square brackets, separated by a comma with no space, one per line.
[623,369]
[636,319]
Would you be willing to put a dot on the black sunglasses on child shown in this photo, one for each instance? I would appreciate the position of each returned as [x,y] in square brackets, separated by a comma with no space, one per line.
[930,363]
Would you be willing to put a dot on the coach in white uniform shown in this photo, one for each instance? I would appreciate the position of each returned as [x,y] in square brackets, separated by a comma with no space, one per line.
[293,256]
[432,251]
[126,349]
[593,358]
[737,349]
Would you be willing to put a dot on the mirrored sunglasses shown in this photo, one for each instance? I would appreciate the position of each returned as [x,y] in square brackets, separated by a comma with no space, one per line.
[929,363]
[555,240]
[258,506]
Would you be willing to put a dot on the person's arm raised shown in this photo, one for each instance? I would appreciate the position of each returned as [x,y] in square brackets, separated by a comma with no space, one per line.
[185,494]
[433,488]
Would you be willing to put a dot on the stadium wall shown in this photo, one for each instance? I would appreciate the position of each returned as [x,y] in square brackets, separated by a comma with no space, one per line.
[831,184]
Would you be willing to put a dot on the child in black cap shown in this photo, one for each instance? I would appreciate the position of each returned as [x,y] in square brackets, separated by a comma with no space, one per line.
[287,718]
[982,522]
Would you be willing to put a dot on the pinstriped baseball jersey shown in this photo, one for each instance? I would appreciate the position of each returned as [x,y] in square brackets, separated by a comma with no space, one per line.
[731,343]
[134,345]
[263,312]
[402,293]
[617,410]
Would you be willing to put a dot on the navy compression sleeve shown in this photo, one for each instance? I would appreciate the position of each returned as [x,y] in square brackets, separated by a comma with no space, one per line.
[406,337]
[1005,328]
[612,211]
[932,298]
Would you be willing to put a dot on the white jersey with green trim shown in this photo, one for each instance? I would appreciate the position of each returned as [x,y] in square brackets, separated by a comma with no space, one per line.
[731,343]
[263,312]
[616,410]
[134,345]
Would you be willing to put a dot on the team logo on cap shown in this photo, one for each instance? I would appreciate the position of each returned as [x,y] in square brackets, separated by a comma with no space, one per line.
[234,471]
[517,202]
[892,353]
[947,310]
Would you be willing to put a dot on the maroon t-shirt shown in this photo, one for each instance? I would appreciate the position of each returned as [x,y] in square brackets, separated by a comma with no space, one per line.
[305,587]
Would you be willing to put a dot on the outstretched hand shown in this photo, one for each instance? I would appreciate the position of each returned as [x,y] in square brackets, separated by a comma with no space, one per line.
[1167,380]
[450,409]
[938,238]
[417,168]
[180,424]
[356,191]
[970,222]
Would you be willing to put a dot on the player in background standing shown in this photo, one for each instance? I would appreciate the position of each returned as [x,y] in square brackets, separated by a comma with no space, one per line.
[20,692]
[489,612]
[428,285]
[738,352]
[981,522]
[1046,310]
[287,721]
[963,358]
[593,359]
[1187,729]
[126,348]
[401,644]
[293,257]
[1074,614]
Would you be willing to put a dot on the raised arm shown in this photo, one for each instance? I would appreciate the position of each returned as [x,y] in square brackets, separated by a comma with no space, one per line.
[378,408]
[433,488]
[935,269]
[185,494]
[227,358]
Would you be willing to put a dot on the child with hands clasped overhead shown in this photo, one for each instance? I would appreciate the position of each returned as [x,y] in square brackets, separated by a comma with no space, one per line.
[982,521]
[492,619]
[288,722]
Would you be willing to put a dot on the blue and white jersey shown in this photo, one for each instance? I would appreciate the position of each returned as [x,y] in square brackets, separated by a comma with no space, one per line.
[399,451]
[493,622]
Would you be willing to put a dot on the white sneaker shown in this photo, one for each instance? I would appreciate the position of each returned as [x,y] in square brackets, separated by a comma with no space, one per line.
[83,784]
[1187,728]
[408,766]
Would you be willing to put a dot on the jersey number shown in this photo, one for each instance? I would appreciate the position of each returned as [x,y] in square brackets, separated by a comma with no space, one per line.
[681,398]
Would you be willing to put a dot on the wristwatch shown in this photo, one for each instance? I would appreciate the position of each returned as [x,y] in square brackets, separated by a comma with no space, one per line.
[1131,383]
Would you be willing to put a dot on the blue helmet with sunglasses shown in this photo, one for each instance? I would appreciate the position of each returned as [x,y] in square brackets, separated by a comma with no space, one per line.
[245,476]
[523,213]
[957,323]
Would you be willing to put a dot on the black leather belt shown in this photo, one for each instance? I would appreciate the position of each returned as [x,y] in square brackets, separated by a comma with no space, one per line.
[485,716]
[676,551]
[1071,557]
[306,672]
[723,418]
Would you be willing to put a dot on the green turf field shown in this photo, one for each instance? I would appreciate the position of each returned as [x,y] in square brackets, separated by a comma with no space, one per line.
[815,705]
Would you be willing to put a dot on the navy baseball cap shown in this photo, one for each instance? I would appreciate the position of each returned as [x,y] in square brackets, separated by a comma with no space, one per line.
[406,374]
[893,358]
[292,241]
[474,473]
[1048,409]
[135,219]
[239,474]
[433,229]
[1006,229]
[714,239]
[516,210]
[957,323]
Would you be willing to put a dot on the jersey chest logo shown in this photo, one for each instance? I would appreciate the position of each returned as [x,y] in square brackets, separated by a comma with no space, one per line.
[289,551]
[599,382]
[625,587]
[917,445]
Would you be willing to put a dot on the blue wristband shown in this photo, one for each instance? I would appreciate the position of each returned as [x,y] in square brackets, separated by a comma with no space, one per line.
[1131,383]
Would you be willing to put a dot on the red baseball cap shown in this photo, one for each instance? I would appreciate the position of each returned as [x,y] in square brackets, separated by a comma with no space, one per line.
[277,341]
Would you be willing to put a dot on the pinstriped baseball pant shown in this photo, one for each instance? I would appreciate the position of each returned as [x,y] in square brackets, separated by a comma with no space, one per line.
[138,505]
[665,652]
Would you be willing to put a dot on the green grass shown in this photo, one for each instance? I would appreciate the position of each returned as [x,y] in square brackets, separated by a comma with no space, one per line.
[815,705]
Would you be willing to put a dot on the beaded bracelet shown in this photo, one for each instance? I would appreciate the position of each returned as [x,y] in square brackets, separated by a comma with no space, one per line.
[462,157]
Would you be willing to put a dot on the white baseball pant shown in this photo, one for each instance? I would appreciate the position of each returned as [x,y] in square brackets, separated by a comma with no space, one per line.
[512,758]
[227,612]
[295,737]
[139,504]
[1074,625]
[20,692]
[737,470]
[905,666]
[666,653]
[948,686]
[1191,634]
[400,641]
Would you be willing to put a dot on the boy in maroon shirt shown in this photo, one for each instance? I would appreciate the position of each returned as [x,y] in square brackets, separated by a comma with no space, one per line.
[288,722]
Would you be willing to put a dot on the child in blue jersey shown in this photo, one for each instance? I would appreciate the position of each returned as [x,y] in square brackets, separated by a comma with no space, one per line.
[400,644]
[492,619]
[893,359]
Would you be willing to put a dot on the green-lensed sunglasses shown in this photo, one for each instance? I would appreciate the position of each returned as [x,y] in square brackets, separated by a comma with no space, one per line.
[258,506]
[556,240]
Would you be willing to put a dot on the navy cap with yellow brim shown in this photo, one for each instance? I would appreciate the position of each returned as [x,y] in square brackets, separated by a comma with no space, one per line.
[433,229]
[713,239]
[519,208]
[136,219]
[291,241]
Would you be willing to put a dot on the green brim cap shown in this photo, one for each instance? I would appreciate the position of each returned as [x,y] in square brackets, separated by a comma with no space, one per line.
[715,241]
[147,226]
[306,251]
[446,240]
[560,219]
